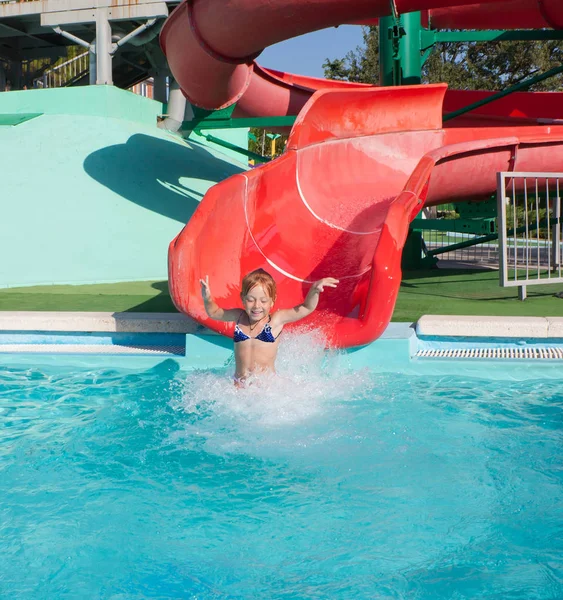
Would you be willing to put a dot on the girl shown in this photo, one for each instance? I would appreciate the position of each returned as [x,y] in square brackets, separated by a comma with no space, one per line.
[257,329]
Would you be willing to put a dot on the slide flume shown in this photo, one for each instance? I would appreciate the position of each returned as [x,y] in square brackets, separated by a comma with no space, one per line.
[359,165]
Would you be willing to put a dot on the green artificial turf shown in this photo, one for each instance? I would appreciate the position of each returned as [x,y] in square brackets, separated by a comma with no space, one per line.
[471,292]
[444,291]
[136,296]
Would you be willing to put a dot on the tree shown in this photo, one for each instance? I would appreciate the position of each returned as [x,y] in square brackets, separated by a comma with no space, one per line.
[360,65]
[497,65]
[260,143]
[447,63]
[462,65]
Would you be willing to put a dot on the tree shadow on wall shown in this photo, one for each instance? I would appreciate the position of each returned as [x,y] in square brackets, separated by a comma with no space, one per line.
[148,171]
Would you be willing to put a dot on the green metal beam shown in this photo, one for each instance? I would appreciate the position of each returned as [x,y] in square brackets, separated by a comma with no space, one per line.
[493,236]
[201,114]
[223,119]
[243,151]
[522,85]
[467,244]
[211,123]
[429,37]
[455,225]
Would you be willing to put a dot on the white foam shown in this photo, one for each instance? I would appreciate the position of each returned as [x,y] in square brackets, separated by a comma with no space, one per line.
[309,385]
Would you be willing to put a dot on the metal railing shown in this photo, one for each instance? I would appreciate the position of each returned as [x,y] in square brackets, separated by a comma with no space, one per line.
[530,229]
[65,73]
[462,248]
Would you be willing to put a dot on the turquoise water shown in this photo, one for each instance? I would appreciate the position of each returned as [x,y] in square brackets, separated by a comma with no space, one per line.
[326,483]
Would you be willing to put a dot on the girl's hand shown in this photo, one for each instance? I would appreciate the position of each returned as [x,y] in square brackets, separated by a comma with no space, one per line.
[320,285]
[205,291]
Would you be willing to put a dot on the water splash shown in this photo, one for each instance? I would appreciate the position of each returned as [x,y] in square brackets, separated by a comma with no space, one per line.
[286,409]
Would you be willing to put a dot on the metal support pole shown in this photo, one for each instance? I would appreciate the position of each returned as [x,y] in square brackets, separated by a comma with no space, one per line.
[72,38]
[159,93]
[502,232]
[133,34]
[176,108]
[80,42]
[411,64]
[92,65]
[17,75]
[400,61]
[243,151]
[556,234]
[103,48]
[386,51]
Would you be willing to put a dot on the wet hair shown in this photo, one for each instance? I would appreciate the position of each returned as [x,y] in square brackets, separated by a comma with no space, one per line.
[259,277]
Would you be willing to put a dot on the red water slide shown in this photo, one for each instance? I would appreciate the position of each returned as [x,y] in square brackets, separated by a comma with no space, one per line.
[211,44]
[359,165]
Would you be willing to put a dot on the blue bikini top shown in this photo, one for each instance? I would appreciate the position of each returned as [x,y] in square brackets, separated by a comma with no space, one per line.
[265,335]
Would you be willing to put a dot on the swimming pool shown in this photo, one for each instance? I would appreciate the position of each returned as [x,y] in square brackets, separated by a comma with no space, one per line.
[423,482]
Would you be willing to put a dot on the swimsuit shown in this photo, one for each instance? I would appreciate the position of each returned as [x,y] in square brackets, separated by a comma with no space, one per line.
[265,335]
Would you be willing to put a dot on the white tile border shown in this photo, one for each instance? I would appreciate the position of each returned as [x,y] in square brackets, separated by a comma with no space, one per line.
[491,327]
[130,322]
[555,327]
[127,322]
[173,351]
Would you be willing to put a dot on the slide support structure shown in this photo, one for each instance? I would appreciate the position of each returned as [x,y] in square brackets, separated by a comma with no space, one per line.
[400,60]
[399,49]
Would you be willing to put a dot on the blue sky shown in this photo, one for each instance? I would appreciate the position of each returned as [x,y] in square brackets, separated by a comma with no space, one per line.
[305,54]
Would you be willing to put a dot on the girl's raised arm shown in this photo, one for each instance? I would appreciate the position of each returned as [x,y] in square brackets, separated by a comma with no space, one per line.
[290,315]
[212,309]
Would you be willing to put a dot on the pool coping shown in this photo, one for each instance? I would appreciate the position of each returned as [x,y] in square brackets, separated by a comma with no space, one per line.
[140,322]
[490,327]
[109,322]
[87,338]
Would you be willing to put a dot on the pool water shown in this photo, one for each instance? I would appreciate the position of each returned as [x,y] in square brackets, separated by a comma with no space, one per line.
[325,483]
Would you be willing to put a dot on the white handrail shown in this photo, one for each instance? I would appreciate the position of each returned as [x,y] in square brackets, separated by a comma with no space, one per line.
[530,229]
[62,74]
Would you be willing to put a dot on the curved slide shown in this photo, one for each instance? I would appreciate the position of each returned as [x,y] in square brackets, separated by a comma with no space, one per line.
[211,44]
[359,165]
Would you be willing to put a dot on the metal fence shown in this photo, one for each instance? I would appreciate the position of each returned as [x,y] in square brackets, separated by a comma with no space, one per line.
[65,73]
[530,229]
[461,249]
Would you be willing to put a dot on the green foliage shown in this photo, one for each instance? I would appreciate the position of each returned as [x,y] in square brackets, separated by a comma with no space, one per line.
[360,65]
[494,65]
[33,69]
[447,63]
[462,65]
[260,143]
[532,218]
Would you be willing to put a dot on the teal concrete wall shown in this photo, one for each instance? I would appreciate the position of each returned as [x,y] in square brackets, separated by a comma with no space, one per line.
[92,191]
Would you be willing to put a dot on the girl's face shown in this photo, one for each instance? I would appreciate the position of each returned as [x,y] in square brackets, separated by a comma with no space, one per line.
[257,303]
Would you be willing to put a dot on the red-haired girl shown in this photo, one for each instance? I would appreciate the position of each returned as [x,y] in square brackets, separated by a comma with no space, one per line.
[257,329]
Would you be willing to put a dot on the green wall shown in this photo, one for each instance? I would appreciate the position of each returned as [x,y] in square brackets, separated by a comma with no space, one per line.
[92,191]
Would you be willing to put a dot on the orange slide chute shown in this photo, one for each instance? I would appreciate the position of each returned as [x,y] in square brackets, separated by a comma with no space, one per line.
[360,163]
